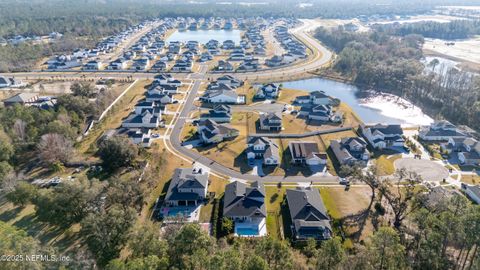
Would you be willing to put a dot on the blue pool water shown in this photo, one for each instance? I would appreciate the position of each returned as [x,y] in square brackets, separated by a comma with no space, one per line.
[203,36]
[246,231]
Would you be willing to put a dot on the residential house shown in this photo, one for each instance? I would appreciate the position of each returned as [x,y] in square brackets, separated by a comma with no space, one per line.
[230,81]
[119,64]
[440,131]
[93,65]
[246,207]
[466,149]
[275,61]
[308,213]
[472,191]
[382,136]
[314,98]
[220,113]
[306,152]
[187,188]
[212,132]
[263,148]
[224,66]
[144,120]
[159,66]
[270,90]
[139,136]
[24,99]
[228,45]
[271,121]
[223,96]
[162,98]
[350,151]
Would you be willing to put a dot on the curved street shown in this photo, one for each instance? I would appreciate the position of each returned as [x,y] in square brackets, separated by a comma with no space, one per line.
[321,57]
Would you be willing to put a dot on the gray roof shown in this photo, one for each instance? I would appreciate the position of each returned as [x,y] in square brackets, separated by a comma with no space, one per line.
[188,179]
[386,129]
[243,201]
[21,98]
[345,149]
[307,209]
[474,189]
[302,149]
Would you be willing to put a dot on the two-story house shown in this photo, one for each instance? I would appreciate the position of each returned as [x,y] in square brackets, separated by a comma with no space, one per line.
[382,136]
[306,152]
[263,148]
[187,188]
[350,151]
[246,207]
[212,132]
[271,121]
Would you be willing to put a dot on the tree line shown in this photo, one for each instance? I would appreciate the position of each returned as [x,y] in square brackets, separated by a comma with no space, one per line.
[457,29]
[428,232]
[387,63]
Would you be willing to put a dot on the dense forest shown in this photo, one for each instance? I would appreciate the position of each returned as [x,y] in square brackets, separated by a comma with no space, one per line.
[392,64]
[41,17]
[459,29]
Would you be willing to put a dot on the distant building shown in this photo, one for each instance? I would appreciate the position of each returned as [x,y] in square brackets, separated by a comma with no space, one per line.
[23,99]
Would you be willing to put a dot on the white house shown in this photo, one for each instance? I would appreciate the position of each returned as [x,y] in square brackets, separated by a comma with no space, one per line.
[263,148]
[440,131]
[384,136]
[222,96]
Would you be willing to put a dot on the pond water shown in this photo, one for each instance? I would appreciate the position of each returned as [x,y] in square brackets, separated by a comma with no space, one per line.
[372,108]
[203,36]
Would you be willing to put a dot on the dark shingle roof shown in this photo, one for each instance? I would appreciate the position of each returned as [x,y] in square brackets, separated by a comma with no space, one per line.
[240,200]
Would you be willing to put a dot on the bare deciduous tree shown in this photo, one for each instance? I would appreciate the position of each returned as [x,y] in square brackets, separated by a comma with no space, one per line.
[19,128]
[54,148]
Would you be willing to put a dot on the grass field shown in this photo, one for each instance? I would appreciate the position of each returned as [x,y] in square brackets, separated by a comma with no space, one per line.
[348,208]
[288,95]
[471,179]
[385,164]
[273,200]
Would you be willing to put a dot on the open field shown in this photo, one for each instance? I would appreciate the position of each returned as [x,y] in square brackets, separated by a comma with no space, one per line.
[464,50]
[349,209]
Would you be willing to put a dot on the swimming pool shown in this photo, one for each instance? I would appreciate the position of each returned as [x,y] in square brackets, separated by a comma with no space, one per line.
[246,231]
